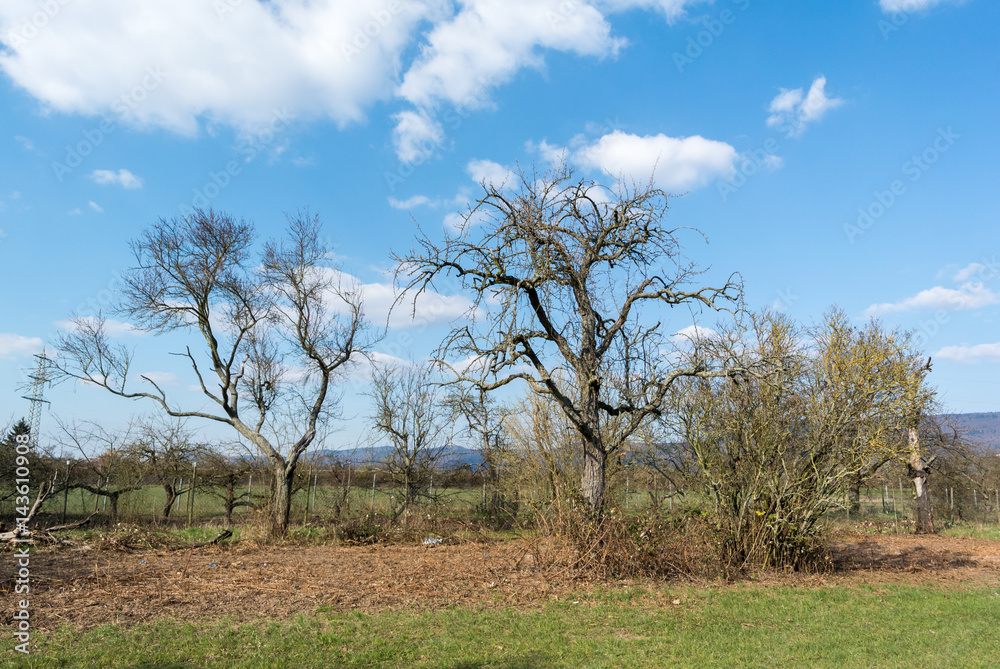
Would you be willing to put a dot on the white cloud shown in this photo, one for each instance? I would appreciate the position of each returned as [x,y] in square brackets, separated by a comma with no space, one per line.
[692,333]
[679,163]
[671,9]
[971,354]
[122,178]
[485,44]
[416,136]
[909,5]
[550,153]
[969,271]
[793,110]
[74,212]
[112,327]
[162,378]
[25,142]
[96,207]
[14,346]
[173,64]
[328,59]
[432,308]
[489,172]
[409,203]
[488,41]
[969,296]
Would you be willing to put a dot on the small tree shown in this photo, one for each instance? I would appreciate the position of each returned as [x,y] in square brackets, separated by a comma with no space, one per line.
[484,419]
[567,275]
[253,315]
[410,415]
[109,458]
[166,450]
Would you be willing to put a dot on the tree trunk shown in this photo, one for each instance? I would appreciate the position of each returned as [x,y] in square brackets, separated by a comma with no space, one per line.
[594,465]
[854,496]
[171,498]
[230,500]
[113,503]
[917,471]
[281,500]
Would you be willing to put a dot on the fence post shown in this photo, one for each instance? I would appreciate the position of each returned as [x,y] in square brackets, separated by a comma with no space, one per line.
[194,481]
[66,494]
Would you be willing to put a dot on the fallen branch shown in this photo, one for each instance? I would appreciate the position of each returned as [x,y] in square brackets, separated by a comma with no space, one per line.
[71,526]
[222,537]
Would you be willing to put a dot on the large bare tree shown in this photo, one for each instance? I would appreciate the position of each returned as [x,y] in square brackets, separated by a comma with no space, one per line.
[571,281]
[273,329]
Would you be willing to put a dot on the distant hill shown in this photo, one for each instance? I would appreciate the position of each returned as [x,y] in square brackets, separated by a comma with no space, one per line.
[451,457]
[982,428]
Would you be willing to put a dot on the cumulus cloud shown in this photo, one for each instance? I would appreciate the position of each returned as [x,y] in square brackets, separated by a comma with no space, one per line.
[416,136]
[971,354]
[969,271]
[675,163]
[486,43]
[326,59]
[239,61]
[14,345]
[122,178]
[379,297]
[489,172]
[969,296]
[793,110]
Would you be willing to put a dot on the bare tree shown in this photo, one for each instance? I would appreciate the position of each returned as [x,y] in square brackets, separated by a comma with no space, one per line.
[484,419]
[569,275]
[254,316]
[166,450]
[110,462]
[410,414]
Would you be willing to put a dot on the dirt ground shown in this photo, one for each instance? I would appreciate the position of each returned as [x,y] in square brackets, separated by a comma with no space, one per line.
[89,587]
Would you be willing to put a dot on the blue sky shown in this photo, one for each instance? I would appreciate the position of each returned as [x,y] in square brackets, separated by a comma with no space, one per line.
[833,153]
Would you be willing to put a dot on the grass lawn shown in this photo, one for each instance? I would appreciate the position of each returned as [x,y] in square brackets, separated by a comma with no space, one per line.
[739,626]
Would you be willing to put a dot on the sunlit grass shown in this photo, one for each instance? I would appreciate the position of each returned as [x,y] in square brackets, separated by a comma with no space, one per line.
[745,626]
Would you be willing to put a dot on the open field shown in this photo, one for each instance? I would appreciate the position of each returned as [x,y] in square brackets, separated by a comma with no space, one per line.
[887,601]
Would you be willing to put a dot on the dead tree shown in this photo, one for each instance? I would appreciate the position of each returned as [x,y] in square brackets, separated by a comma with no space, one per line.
[571,282]
[254,316]
[917,464]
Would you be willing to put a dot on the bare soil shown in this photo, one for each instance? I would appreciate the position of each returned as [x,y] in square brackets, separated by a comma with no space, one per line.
[89,587]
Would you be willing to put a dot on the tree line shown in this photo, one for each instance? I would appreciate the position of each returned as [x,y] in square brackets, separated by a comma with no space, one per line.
[574,287]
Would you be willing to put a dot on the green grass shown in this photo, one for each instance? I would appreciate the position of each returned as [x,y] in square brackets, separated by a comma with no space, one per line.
[973,530]
[746,626]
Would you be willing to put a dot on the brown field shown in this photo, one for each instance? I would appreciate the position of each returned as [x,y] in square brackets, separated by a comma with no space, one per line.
[122,585]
